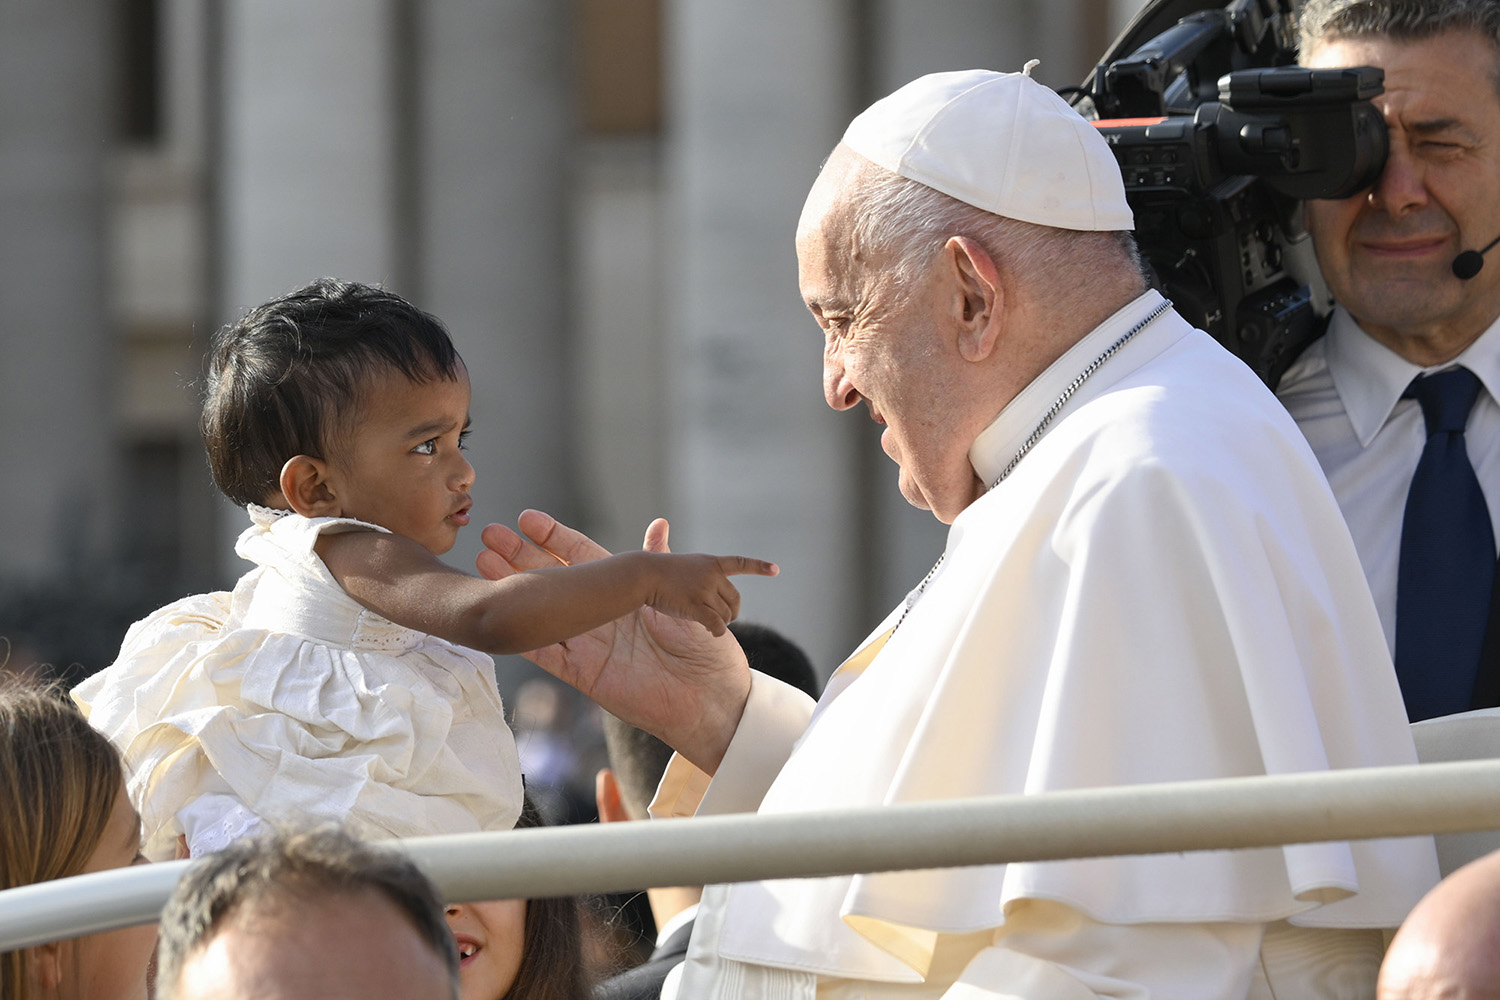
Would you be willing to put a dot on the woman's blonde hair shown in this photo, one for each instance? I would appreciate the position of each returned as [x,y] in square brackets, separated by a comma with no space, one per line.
[59,778]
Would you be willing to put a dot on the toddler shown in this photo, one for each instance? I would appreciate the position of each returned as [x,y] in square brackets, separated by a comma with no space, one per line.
[346,677]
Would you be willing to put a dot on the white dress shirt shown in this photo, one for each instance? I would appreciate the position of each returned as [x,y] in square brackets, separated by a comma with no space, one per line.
[1345,394]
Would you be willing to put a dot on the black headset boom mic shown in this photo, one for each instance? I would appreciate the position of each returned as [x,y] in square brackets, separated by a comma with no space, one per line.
[1468,263]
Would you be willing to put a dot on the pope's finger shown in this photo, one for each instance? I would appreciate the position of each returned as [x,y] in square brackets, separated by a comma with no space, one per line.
[491,566]
[567,545]
[656,536]
[500,538]
[503,554]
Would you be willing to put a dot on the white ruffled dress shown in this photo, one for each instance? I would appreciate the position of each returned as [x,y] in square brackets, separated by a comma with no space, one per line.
[287,701]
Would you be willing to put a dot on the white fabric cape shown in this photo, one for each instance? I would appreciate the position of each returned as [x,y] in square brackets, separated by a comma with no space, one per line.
[1163,590]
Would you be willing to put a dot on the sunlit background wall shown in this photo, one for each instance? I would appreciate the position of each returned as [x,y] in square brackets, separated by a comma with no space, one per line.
[597,196]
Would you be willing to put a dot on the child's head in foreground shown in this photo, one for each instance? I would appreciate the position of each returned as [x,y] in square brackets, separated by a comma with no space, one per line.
[342,400]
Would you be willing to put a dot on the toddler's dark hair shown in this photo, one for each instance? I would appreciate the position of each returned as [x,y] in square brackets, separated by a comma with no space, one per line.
[286,379]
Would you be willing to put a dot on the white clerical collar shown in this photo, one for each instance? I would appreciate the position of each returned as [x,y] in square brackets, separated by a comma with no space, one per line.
[997,443]
[1370,377]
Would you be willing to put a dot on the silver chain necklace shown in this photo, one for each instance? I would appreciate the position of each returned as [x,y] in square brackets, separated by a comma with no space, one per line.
[1036,435]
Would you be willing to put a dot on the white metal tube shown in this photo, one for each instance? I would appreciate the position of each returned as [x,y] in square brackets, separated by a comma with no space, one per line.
[85,904]
[1139,819]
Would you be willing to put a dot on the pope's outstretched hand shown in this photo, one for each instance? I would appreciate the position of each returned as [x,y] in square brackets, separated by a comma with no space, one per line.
[670,677]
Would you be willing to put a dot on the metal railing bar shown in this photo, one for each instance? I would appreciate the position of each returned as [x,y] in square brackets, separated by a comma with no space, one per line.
[1228,813]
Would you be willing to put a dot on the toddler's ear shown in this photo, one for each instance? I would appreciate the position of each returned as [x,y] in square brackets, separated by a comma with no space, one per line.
[306,486]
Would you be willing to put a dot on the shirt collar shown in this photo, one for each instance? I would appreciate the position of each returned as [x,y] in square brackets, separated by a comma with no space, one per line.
[687,914]
[1483,359]
[1370,377]
[999,442]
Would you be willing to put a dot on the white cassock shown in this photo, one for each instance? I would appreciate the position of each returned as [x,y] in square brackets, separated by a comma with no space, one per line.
[1162,590]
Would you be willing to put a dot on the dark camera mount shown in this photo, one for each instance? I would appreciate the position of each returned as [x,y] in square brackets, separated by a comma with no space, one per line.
[1219,139]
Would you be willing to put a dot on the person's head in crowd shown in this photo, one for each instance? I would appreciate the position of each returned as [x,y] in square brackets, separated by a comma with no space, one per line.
[637,759]
[624,790]
[1448,948]
[65,812]
[774,655]
[519,949]
[900,248]
[1387,253]
[309,914]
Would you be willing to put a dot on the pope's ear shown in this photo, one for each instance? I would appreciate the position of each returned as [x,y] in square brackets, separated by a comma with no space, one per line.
[308,490]
[977,297]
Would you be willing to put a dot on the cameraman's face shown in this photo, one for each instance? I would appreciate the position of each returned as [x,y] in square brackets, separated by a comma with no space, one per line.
[1387,252]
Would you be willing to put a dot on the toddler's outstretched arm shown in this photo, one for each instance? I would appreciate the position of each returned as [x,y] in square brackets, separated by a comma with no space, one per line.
[399,579]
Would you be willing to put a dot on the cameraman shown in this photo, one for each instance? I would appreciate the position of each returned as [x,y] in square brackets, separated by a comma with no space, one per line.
[1399,398]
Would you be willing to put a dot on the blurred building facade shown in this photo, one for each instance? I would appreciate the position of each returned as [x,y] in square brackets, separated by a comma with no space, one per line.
[598,198]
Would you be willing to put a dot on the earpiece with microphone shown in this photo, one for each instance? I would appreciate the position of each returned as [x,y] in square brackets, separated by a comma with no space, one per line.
[1468,263]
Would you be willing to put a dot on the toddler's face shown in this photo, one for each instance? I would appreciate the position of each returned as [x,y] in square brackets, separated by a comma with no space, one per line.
[403,467]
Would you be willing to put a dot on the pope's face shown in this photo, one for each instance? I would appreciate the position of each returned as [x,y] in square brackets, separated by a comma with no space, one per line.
[1387,252]
[885,345]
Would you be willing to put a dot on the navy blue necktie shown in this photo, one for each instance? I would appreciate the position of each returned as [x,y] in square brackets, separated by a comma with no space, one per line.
[1447,557]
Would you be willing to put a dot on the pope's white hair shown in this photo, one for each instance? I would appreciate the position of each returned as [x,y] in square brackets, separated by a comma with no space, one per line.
[906,223]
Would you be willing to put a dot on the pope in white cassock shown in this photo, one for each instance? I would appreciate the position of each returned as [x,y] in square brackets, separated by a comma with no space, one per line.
[1147,579]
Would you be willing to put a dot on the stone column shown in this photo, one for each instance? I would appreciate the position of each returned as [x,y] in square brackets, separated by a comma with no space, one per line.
[758,94]
[57,353]
[493,169]
[618,343]
[310,151]
[308,169]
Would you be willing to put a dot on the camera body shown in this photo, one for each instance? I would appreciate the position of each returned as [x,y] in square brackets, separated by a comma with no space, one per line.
[1219,139]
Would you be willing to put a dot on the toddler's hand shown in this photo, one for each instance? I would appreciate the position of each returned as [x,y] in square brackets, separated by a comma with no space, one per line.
[697,587]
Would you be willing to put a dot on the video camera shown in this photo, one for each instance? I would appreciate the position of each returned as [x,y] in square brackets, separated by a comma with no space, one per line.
[1219,139]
